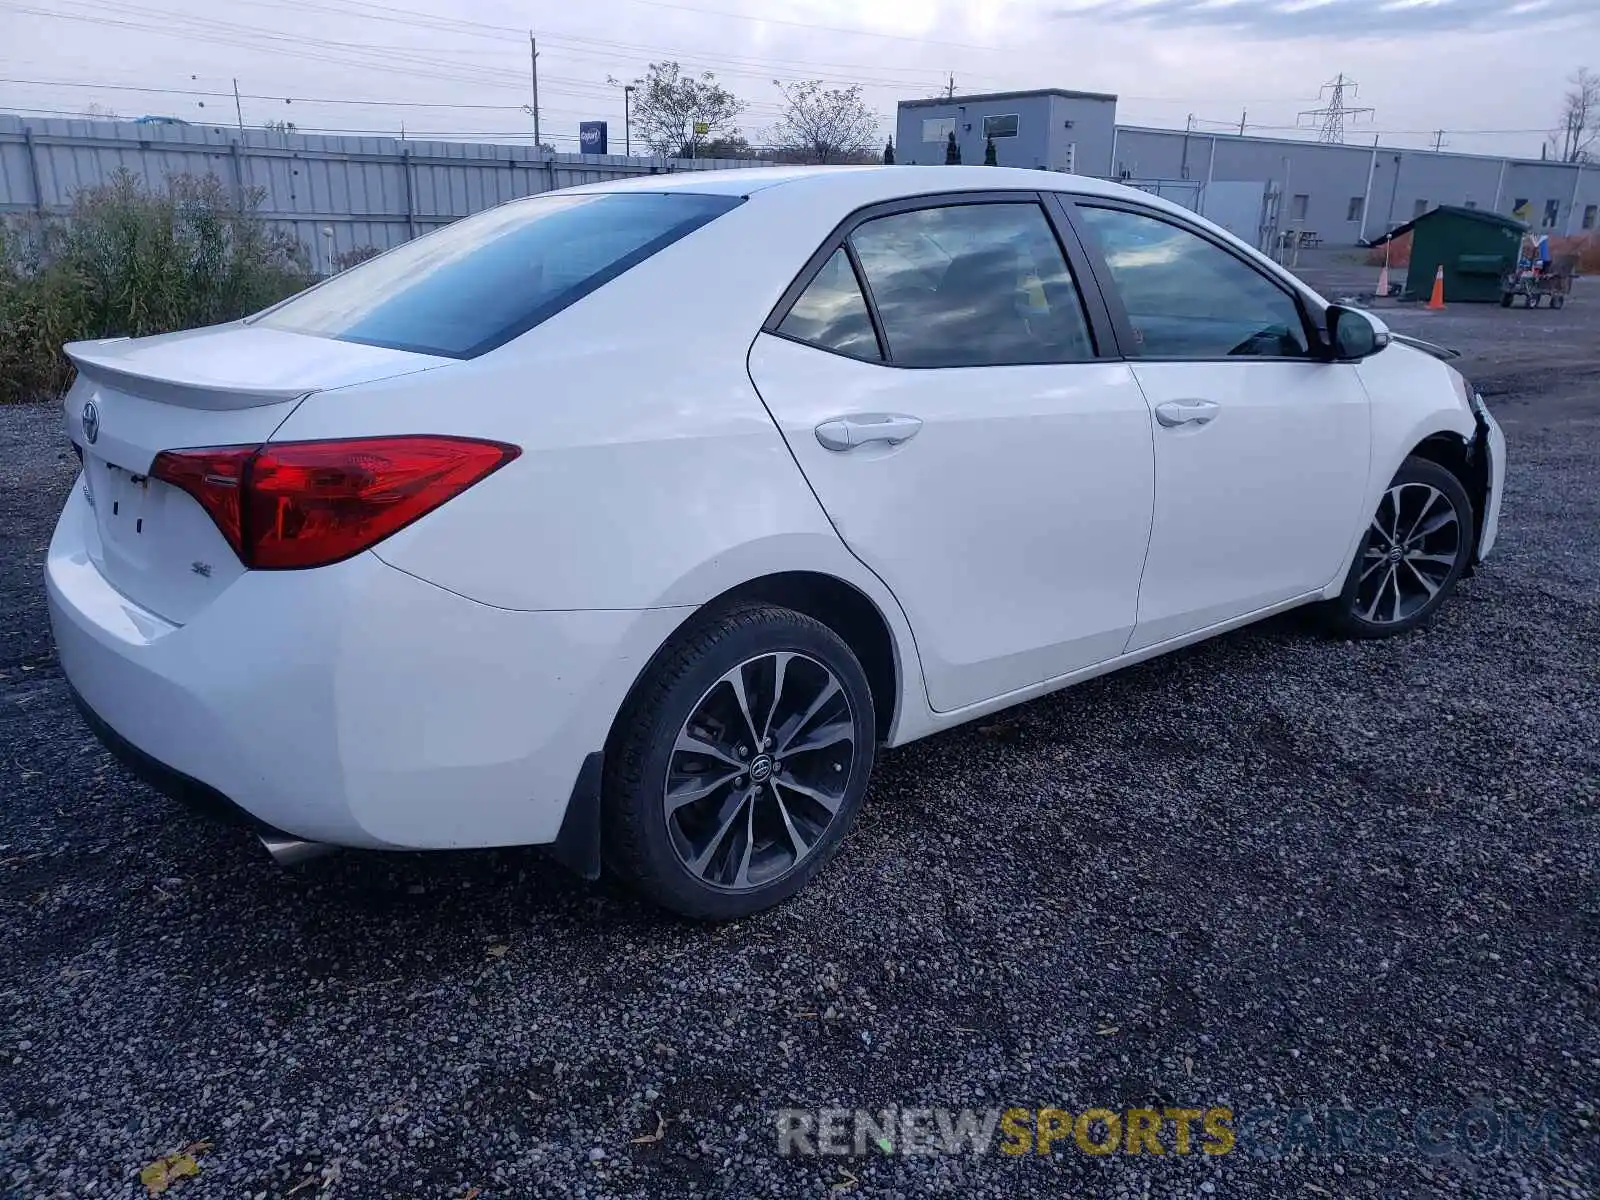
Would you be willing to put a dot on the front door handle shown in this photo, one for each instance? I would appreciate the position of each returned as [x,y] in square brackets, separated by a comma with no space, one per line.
[846,433]
[1186,412]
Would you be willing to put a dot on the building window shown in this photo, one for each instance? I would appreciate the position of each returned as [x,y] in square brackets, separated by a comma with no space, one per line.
[998,127]
[1417,209]
[1298,206]
[1552,213]
[1589,215]
[938,129]
[1357,209]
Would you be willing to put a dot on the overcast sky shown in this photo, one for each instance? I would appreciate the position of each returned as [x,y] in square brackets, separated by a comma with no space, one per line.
[1488,72]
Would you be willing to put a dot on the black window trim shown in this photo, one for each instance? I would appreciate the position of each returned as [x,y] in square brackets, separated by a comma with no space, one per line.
[1130,346]
[1098,317]
[774,322]
[1017,132]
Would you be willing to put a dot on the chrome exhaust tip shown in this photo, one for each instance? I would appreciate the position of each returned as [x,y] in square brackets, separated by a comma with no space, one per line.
[291,852]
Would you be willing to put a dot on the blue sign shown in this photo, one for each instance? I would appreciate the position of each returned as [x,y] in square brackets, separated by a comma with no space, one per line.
[592,137]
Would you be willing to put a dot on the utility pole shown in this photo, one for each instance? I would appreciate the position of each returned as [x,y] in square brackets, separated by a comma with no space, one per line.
[238,109]
[950,91]
[1438,139]
[533,65]
[1333,114]
[1242,115]
[627,120]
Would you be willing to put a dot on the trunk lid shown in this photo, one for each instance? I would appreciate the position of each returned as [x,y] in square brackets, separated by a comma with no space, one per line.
[227,385]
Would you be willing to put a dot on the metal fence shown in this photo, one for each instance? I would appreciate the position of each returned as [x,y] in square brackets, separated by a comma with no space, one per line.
[335,194]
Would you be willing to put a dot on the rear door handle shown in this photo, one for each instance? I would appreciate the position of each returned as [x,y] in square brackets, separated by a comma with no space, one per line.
[846,433]
[1186,412]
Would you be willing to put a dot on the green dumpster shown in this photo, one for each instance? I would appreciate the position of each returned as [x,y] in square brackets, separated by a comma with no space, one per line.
[1475,248]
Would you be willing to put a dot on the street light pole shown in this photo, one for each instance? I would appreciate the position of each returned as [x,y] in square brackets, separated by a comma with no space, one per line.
[533,65]
[627,120]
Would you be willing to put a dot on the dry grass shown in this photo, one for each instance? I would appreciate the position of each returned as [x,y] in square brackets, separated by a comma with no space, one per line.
[1399,252]
[1584,247]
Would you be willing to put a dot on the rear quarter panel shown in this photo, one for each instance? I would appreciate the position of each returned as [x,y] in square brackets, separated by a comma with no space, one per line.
[651,475]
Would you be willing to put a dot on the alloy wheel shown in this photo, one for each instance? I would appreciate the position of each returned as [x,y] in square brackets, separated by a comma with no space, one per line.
[1411,549]
[759,770]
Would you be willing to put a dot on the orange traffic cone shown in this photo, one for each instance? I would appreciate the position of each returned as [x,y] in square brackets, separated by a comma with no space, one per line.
[1436,300]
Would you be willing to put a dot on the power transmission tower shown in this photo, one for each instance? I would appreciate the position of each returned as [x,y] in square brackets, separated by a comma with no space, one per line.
[1332,115]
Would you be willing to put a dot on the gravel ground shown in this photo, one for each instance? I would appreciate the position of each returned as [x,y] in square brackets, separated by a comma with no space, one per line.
[1272,872]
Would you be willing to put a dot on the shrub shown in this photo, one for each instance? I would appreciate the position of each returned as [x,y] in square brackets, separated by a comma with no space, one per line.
[1399,253]
[129,261]
[346,259]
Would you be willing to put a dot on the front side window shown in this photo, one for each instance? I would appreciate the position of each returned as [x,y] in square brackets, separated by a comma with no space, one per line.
[831,313]
[476,284]
[1005,126]
[972,285]
[1187,297]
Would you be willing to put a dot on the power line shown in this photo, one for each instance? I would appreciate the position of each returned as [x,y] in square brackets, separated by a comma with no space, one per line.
[120,87]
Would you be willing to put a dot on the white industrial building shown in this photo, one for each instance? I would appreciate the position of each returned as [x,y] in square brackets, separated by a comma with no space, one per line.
[1260,188]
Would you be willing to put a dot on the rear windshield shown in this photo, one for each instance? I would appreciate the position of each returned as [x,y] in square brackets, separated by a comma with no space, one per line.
[474,285]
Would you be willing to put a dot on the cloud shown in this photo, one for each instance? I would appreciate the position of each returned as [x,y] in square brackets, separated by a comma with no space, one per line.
[1343,18]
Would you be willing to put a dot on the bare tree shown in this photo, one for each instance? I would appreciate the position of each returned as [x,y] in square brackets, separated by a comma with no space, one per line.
[823,124]
[1575,139]
[99,112]
[676,114]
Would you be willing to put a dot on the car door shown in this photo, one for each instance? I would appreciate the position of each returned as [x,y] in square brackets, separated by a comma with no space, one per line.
[935,373]
[1261,447]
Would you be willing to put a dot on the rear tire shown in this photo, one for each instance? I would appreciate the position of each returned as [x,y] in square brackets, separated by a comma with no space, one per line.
[1411,556]
[739,763]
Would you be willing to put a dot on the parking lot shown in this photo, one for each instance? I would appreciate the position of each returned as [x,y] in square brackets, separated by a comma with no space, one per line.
[1274,872]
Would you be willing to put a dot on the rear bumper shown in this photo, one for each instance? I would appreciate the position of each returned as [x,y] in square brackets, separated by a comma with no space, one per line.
[199,798]
[353,705]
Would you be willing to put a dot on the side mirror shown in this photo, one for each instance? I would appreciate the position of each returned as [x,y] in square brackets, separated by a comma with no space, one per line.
[1354,335]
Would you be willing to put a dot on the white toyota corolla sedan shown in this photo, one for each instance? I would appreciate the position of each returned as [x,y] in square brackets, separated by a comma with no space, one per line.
[633,519]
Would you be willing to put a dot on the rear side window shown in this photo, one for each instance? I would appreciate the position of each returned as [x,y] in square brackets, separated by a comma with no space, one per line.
[972,285]
[831,313]
[476,284]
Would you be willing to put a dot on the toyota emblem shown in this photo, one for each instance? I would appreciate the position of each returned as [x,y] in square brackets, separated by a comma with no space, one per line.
[91,422]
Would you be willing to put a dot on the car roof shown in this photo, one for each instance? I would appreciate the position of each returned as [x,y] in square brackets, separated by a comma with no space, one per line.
[852,187]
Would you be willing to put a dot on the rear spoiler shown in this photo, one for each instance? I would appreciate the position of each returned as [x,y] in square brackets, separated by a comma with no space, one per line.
[1442,353]
[98,362]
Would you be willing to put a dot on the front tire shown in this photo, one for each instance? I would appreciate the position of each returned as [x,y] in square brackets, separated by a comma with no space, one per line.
[1414,551]
[739,763]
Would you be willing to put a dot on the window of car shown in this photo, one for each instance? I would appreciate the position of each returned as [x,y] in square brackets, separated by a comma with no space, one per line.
[972,285]
[476,284]
[1187,297]
[831,312]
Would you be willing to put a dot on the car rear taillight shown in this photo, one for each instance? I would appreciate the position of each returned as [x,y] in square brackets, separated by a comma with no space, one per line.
[289,505]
